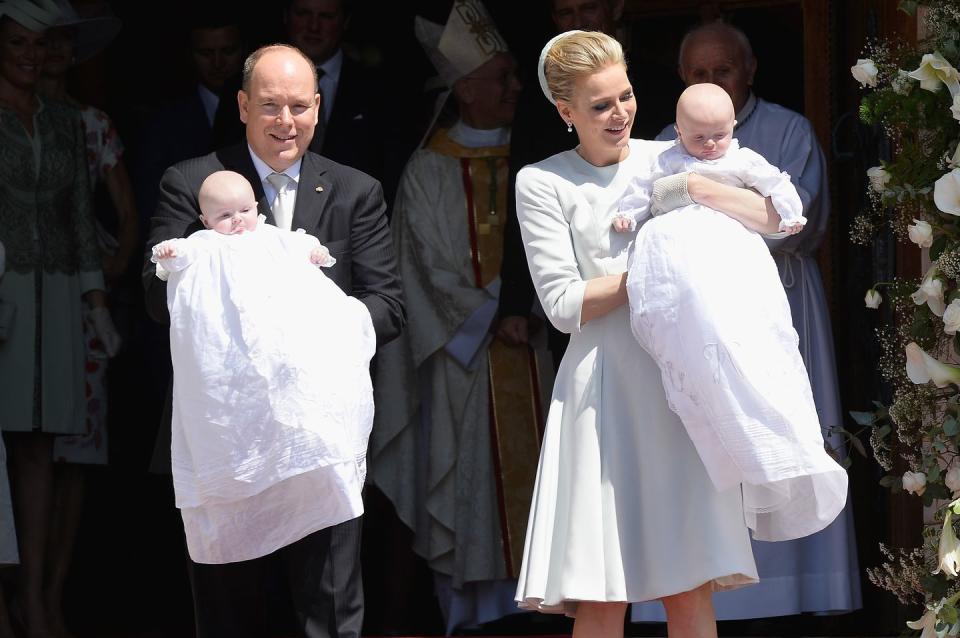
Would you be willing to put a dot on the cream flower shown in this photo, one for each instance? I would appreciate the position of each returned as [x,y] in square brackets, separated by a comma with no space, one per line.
[921,233]
[955,107]
[948,552]
[951,317]
[934,70]
[872,299]
[922,368]
[915,482]
[952,479]
[946,192]
[930,292]
[902,84]
[878,178]
[927,622]
[865,72]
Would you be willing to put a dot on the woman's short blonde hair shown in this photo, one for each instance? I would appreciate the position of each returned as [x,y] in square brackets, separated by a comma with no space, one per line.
[578,54]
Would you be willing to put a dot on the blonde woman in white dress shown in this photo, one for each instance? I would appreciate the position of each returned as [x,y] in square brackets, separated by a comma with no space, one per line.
[623,509]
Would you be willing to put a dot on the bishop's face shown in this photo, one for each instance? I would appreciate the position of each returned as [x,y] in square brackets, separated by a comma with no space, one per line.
[490,92]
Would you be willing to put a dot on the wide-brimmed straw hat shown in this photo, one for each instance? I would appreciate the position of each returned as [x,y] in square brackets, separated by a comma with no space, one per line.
[94,25]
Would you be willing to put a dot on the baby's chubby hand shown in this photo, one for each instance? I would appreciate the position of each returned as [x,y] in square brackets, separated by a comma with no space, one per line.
[623,224]
[165,250]
[320,256]
[793,229]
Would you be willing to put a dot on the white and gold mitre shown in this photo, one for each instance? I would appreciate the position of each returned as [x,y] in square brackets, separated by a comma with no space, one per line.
[468,40]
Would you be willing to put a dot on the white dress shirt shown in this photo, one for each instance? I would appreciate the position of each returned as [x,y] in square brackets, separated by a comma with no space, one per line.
[293,172]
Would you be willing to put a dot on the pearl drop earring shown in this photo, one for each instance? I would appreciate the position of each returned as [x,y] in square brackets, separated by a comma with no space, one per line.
[569,127]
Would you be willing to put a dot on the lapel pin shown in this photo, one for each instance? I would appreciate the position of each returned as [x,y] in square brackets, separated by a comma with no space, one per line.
[319,189]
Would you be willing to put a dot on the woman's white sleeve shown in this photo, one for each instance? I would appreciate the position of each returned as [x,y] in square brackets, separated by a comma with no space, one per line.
[549,246]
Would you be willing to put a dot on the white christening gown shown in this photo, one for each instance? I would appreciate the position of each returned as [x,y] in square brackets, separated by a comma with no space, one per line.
[272,400]
[707,303]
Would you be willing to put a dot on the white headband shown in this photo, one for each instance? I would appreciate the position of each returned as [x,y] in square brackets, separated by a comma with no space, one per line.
[543,58]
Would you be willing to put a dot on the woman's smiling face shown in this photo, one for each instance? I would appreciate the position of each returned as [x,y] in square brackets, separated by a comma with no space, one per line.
[602,110]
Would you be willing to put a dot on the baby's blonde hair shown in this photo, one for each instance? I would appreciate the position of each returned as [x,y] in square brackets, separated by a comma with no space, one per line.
[576,54]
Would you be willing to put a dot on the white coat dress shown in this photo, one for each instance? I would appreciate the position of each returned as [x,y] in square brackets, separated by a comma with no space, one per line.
[623,509]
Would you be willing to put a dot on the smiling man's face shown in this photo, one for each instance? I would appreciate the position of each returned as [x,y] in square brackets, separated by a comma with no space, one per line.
[280,109]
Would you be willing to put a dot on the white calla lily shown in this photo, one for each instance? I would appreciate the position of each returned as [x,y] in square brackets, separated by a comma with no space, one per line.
[920,233]
[865,72]
[934,70]
[930,292]
[951,317]
[922,368]
[926,623]
[948,552]
[872,299]
[952,479]
[946,192]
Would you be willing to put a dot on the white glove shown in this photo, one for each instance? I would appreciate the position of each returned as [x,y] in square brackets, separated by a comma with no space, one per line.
[670,192]
[104,329]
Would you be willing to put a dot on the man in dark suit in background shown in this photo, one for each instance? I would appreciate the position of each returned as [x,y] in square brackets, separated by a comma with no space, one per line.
[344,209]
[182,128]
[350,130]
[537,133]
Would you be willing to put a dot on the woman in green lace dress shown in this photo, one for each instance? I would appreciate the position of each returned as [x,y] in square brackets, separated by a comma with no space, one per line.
[53,266]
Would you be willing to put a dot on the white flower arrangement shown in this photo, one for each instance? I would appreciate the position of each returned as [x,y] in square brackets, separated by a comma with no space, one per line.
[912,94]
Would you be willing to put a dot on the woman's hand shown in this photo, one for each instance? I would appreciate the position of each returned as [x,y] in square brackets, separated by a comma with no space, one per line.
[743,204]
[603,295]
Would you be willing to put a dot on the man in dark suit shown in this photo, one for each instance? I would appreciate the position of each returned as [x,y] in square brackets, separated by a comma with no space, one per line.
[350,131]
[344,209]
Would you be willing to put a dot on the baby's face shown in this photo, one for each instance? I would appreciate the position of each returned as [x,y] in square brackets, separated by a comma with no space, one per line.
[231,212]
[705,135]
